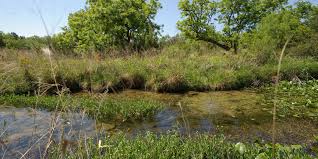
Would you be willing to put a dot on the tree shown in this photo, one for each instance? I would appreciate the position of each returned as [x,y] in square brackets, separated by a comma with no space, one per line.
[14,35]
[2,43]
[304,10]
[14,41]
[64,41]
[104,24]
[308,15]
[235,17]
[238,16]
[312,17]
[198,22]
[293,24]
[280,27]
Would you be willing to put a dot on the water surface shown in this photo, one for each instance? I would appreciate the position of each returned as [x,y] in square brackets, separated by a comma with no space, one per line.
[239,115]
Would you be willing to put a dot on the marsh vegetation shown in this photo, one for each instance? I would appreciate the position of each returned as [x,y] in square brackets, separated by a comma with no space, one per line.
[110,86]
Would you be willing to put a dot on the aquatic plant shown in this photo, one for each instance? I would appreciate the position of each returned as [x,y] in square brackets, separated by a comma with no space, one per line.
[295,98]
[173,145]
[101,108]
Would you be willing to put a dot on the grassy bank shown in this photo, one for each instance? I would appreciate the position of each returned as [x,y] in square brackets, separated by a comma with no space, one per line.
[101,108]
[177,68]
[174,146]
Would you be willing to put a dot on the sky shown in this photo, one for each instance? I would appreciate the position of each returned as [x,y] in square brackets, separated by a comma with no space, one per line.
[22,17]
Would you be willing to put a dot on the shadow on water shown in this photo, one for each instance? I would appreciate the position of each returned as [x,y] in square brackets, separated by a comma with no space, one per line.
[238,115]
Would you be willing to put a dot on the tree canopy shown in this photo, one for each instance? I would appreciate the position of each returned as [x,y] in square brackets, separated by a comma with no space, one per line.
[294,23]
[105,24]
[259,26]
[2,43]
[14,41]
[200,18]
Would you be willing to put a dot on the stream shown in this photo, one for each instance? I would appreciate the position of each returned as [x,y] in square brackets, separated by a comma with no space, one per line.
[239,115]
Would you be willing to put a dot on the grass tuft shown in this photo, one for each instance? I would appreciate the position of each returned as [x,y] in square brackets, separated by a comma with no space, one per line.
[101,108]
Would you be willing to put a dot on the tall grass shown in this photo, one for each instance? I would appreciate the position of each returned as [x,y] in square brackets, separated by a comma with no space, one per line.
[178,68]
[102,108]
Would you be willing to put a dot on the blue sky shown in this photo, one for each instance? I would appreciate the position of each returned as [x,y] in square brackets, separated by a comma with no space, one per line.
[21,16]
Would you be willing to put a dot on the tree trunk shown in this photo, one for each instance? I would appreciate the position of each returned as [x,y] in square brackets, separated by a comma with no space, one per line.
[128,36]
[223,46]
[235,47]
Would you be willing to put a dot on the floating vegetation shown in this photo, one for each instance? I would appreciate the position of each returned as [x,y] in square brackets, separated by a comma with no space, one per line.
[295,98]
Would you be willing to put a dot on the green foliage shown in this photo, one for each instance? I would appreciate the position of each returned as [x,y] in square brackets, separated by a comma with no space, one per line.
[313,19]
[275,29]
[305,11]
[306,47]
[236,17]
[179,67]
[173,145]
[197,16]
[2,43]
[63,42]
[260,26]
[14,41]
[119,24]
[198,21]
[239,16]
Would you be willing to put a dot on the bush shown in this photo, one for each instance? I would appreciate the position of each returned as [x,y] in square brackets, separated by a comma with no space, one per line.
[308,48]
[272,33]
